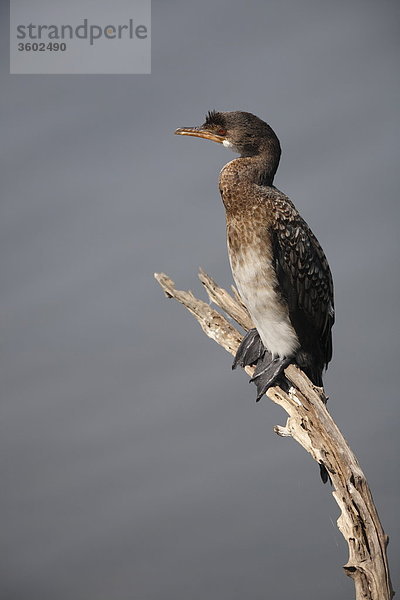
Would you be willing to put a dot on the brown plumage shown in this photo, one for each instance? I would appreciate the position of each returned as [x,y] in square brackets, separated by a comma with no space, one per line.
[278,265]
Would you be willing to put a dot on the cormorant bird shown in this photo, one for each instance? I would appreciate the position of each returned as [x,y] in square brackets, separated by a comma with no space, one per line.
[277,262]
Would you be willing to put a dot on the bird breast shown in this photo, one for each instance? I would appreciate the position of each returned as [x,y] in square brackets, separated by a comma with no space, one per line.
[256,281]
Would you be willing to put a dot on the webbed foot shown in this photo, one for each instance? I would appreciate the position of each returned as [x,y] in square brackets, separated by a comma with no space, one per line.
[267,373]
[251,349]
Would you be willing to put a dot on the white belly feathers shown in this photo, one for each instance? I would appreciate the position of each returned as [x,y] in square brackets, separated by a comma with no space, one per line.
[256,282]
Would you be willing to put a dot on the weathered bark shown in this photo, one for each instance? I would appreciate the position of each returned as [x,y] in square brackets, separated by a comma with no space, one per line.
[311,425]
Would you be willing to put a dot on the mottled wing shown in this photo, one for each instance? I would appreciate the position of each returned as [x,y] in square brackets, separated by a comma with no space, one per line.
[306,281]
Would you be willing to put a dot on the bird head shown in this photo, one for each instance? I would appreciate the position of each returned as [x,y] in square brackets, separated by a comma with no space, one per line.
[243,132]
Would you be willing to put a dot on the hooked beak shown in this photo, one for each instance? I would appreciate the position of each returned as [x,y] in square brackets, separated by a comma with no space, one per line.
[201,133]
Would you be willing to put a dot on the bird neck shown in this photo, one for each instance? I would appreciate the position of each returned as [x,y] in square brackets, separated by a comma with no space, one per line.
[258,169]
[261,168]
[238,178]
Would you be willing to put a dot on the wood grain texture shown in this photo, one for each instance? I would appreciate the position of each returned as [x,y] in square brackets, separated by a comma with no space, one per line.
[311,425]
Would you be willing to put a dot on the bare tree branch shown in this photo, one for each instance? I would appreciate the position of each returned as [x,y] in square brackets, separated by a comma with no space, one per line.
[233,307]
[311,425]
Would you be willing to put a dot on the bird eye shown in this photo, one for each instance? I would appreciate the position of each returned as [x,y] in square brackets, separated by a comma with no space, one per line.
[221,131]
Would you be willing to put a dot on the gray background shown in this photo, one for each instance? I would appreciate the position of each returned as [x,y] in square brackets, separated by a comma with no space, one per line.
[136,466]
